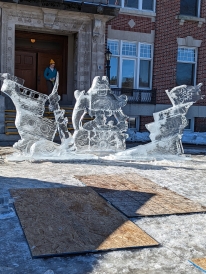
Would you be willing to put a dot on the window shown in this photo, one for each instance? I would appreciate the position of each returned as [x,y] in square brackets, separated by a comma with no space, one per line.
[132,122]
[131,64]
[186,66]
[188,127]
[190,7]
[148,5]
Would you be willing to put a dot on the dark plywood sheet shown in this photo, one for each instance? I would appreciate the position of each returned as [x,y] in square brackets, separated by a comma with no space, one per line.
[137,196]
[200,263]
[60,221]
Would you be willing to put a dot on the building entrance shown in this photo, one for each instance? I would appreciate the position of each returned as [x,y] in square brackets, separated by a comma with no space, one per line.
[33,52]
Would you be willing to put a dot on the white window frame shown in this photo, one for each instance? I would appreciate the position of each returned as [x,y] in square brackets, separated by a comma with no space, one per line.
[139,6]
[137,59]
[154,5]
[192,125]
[187,62]
[151,67]
[198,8]
[137,123]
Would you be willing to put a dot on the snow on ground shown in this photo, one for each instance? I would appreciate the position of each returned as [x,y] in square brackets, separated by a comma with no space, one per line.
[196,138]
[181,237]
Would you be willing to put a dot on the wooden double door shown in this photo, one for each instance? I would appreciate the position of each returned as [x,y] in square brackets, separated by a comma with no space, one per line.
[30,66]
[32,59]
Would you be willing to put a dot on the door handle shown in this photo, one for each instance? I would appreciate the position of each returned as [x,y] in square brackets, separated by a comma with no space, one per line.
[38,79]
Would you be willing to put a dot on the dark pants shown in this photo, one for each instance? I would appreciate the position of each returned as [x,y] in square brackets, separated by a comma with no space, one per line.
[49,87]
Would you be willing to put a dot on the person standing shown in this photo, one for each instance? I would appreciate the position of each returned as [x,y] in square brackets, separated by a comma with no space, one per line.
[50,74]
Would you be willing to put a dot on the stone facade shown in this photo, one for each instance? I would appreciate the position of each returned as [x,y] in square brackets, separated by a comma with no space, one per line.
[89,39]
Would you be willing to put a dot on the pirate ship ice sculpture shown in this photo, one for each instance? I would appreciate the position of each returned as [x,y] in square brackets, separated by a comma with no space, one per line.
[37,133]
[167,129]
[105,133]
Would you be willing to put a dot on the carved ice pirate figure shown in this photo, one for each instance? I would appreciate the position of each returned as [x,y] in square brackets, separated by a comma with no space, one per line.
[107,131]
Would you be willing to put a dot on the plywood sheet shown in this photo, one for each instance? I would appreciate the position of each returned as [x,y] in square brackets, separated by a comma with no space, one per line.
[137,196]
[200,263]
[60,221]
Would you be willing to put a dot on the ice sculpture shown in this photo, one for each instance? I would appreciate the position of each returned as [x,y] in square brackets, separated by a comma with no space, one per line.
[106,132]
[53,149]
[30,106]
[167,129]
[36,132]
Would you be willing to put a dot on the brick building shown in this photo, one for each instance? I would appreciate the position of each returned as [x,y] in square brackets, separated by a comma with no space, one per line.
[158,45]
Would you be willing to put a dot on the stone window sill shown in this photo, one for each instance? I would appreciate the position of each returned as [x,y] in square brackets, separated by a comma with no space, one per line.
[136,12]
[184,18]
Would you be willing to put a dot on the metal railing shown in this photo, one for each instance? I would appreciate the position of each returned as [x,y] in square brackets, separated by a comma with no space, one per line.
[137,96]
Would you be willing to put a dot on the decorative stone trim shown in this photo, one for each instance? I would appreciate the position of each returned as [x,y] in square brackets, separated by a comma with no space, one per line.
[49,17]
[97,27]
[184,18]
[136,12]
[131,23]
[131,36]
[189,41]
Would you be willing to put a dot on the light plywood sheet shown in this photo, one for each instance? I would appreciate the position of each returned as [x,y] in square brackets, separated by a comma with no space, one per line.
[200,263]
[61,221]
[136,196]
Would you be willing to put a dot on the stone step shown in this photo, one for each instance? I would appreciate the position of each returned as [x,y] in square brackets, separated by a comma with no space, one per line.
[10,115]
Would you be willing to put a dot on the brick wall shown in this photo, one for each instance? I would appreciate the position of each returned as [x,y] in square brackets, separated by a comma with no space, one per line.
[167,30]
[165,49]
[142,24]
[143,121]
[200,124]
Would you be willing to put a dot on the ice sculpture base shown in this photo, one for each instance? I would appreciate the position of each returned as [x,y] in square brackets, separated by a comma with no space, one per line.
[16,157]
[149,158]
[97,153]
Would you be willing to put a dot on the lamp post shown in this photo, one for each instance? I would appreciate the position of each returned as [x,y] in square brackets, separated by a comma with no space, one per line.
[108,56]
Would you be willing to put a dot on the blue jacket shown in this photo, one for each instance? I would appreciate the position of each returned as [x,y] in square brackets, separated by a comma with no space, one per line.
[48,73]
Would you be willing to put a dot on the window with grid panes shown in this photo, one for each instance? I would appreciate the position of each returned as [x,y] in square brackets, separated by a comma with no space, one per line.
[148,5]
[186,66]
[131,64]
[190,7]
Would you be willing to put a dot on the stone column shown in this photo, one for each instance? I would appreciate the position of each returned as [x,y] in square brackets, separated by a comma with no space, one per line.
[7,43]
[98,48]
[84,58]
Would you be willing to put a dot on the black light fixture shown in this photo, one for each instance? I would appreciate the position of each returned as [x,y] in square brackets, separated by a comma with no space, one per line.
[108,56]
